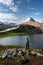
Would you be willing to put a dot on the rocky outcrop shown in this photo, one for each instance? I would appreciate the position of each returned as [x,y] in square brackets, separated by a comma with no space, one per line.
[29,29]
[41,27]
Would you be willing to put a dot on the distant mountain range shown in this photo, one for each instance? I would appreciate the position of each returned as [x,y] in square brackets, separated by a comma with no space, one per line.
[29,25]
[5,25]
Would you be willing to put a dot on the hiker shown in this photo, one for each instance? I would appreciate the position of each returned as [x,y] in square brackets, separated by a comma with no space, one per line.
[27,44]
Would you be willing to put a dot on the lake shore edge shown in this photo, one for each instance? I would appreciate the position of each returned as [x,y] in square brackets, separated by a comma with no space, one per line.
[20,47]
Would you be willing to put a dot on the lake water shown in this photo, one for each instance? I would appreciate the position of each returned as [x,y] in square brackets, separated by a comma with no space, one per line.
[35,40]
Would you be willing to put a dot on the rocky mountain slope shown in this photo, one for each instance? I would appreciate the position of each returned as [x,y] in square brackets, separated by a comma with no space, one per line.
[29,29]
[31,21]
[31,26]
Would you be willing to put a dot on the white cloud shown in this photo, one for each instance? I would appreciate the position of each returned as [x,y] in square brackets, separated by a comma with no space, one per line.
[7,17]
[14,9]
[37,13]
[7,2]
[10,4]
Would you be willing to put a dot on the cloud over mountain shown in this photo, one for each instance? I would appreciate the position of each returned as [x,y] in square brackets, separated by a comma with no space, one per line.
[7,17]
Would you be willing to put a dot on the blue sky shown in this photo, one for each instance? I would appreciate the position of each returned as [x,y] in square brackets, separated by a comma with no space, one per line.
[19,10]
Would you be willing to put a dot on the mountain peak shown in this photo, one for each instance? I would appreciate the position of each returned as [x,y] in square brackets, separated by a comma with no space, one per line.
[30,19]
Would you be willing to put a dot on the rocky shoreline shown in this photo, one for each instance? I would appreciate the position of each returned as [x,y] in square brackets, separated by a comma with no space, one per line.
[21,56]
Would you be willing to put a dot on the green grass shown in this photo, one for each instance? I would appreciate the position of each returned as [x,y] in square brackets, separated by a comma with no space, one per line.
[10,34]
[10,47]
[35,49]
[41,51]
